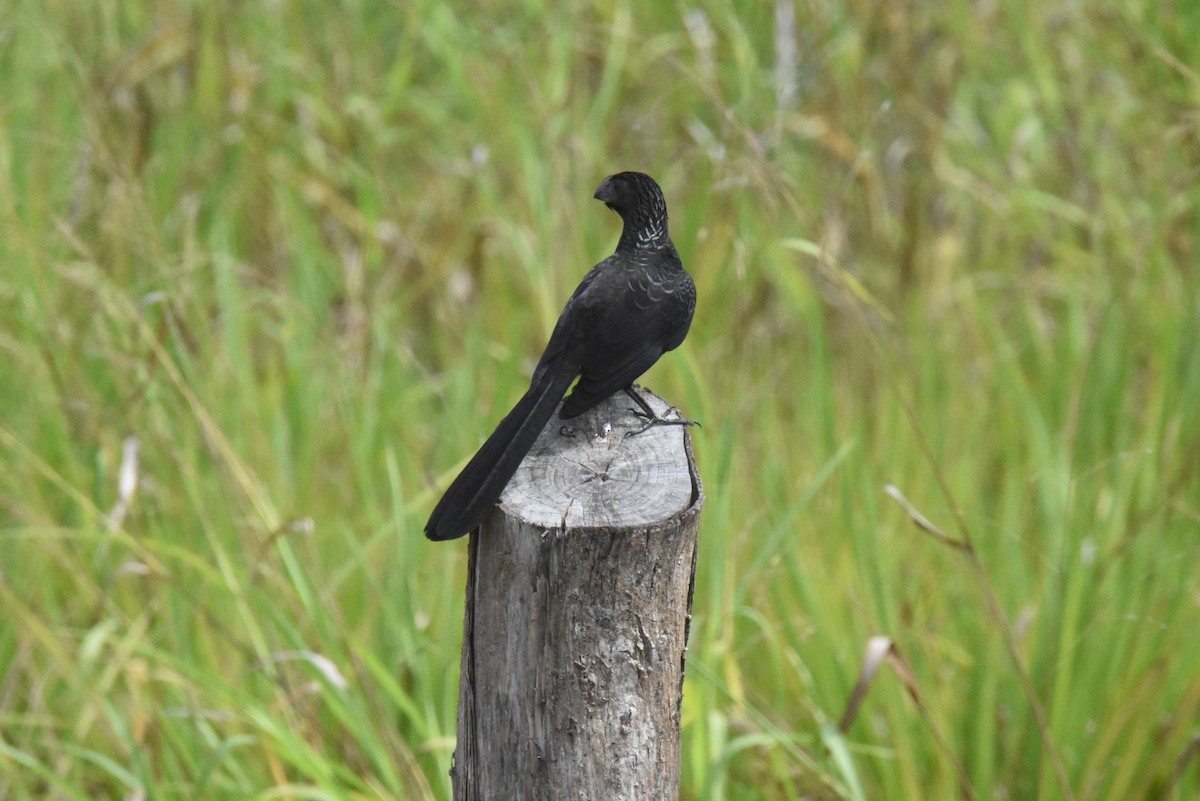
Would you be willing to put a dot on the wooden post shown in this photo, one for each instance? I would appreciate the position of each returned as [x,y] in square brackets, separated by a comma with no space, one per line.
[579,594]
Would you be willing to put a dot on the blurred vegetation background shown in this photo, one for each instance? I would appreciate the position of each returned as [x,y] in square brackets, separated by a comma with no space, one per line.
[270,271]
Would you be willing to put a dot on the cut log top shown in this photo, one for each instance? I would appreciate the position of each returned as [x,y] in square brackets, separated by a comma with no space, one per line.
[586,473]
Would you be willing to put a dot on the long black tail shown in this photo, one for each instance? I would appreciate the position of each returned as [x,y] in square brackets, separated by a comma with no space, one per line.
[473,494]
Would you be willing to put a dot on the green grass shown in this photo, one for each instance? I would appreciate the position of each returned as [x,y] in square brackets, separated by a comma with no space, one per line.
[306,253]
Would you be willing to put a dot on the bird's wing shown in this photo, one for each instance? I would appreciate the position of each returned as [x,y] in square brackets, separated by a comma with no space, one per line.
[651,318]
[578,317]
[594,387]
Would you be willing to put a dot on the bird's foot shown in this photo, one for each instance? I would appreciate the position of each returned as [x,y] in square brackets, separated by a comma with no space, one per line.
[651,419]
[654,420]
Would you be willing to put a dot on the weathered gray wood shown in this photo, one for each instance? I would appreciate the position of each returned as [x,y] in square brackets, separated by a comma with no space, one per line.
[578,602]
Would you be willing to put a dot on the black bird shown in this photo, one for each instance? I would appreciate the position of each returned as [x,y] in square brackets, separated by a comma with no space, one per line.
[629,310]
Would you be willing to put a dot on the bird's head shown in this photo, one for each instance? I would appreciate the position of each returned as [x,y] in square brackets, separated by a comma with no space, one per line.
[640,202]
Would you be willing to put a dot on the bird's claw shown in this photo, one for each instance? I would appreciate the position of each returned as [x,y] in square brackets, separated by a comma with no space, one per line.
[651,420]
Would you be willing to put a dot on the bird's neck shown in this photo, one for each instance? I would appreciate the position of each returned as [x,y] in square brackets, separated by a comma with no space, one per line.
[645,230]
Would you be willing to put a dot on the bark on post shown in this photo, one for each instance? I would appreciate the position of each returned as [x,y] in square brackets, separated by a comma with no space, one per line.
[579,594]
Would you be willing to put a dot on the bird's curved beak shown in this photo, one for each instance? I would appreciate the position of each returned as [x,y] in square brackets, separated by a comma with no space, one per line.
[604,191]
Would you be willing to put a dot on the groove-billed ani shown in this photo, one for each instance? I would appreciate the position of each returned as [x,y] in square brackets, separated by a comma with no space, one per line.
[629,309]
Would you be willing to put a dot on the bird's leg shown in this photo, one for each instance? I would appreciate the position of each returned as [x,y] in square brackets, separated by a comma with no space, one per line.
[651,419]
